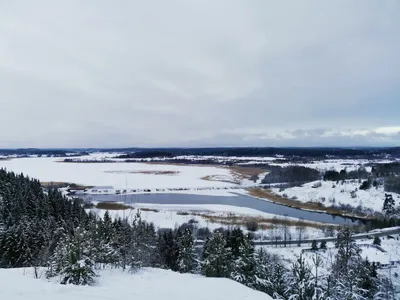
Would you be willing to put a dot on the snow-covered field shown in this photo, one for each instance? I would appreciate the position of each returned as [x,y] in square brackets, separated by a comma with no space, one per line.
[147,284]
[172,216]
[335,164]
[119,175]
[329,193]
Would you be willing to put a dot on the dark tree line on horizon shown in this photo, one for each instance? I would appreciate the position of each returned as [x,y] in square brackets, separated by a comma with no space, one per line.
[46,230]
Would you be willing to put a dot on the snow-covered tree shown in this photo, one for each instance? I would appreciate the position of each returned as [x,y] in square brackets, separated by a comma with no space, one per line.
[263,270]
[300,282]
[243,268]
[389,205]
[347,267]
[216,257]
[278,283]
[78,267]
[314,245]
[187,261]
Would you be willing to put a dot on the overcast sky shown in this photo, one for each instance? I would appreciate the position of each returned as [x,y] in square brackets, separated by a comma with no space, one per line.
[199,73]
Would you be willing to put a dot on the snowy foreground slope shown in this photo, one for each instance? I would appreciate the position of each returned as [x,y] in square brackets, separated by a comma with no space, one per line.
[148,284]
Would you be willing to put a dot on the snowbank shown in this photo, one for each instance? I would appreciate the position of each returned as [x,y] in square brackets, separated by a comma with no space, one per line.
[148,284]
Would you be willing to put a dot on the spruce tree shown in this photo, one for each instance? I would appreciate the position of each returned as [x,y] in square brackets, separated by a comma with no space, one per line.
[243,268]
[377,241]
[278,284]
[389,205]
[263,270]
[323,245]
[347,267]
[216,262]
[314,245]
[187,258]
[78,267]
[301,285]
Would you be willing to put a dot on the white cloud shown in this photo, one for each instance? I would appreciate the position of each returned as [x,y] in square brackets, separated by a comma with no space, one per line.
[169,73]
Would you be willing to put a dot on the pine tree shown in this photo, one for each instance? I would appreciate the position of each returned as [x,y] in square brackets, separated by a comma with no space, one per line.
[167,251]
[78,268]
[78,271]
[368,279]
[377,241]
[59,258]
[389,205]
[319,281]
[187,258]
[301,283]
[216,256]
[263,270]
[243,268]
[323,245]
[278,284]
[347,267]
[314,245]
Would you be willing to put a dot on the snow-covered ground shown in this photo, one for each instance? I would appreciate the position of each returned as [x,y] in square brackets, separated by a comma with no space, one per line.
[389,258]
[329,193]
[119,175]
[147,284]
[172,216]
[335,164]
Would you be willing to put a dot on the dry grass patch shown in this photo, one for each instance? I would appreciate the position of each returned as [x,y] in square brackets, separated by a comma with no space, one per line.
[217,178]
[112,206]
[263,223]
[246,172]
[149,209]
[155,172]
[62,184]
[145,172]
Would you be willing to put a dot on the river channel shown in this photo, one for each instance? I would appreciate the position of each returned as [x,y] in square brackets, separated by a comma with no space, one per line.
[234,200]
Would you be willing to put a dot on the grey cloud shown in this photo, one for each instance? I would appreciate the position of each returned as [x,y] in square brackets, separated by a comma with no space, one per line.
[156,73]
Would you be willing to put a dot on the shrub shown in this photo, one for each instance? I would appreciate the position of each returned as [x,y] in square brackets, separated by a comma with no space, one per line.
[366,185]
[332,175]
[323,245]
[314,245]
[377,241]
[182,213]
[252,225]
[392,184]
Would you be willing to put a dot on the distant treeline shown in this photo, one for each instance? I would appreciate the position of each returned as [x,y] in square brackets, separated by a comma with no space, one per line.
[260,152]
[42,152]
[220,151]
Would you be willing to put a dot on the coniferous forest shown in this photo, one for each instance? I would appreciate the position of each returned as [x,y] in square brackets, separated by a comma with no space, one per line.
[48,232]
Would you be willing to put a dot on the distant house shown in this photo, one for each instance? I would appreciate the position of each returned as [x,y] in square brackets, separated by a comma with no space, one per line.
[100,190]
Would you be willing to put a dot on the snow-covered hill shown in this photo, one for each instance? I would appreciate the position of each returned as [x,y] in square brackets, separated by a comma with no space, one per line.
[148,284]
[331,193]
